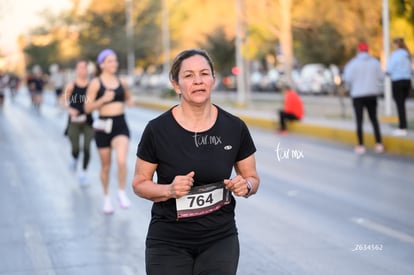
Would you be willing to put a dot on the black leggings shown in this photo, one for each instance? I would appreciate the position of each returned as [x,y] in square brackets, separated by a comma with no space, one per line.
[75,130]
[283,116]
[369,102]
[400,92]
[219,257]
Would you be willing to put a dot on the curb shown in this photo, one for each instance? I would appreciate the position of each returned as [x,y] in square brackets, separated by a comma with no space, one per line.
[394,145]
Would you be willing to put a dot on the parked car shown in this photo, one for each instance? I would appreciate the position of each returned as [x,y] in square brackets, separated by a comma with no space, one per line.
[273,77]
[314,79]
[258,81]
[155,81]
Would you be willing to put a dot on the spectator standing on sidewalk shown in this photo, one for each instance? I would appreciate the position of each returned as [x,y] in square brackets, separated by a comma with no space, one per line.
[400,72]
[109,94]
[80,123]
[193,148]
[292,108]
[364,77]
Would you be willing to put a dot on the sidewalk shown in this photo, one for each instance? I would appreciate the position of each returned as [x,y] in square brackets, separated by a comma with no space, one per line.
[328,118]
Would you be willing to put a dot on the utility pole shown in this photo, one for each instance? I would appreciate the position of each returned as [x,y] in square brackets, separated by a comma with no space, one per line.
[241,87]
[130,39]
[286,39]
[386,43]
[165,37]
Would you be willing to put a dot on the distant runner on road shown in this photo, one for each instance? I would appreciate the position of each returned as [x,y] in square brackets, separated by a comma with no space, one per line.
[80,123]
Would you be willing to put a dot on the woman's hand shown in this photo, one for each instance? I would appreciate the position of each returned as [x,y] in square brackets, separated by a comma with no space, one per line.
[108,96]
[73,112]
[237,185]
[181,185]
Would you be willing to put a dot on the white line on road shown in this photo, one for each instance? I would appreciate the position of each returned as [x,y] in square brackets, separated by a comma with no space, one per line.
[384,230]
[37,250]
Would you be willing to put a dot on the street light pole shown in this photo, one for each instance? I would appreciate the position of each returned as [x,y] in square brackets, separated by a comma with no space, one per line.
[165,37]
[286,39]
[129,36]
[241,88]
[386,45]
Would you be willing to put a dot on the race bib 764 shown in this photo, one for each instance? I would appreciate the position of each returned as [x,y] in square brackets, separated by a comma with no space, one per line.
[202,200]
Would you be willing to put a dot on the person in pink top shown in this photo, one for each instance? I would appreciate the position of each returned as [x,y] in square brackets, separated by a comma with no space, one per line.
[292,108]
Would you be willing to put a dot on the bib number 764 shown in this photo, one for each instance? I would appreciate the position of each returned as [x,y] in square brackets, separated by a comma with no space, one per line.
[202,200]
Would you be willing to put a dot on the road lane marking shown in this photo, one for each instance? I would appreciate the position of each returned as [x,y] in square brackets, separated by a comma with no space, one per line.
[384,230]
[37,250]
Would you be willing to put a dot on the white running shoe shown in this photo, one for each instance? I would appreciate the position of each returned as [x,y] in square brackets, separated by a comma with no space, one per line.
[108,209]
[82,179]
[379,148]
[400,132]
[123,199]
[72,165]
[359,150]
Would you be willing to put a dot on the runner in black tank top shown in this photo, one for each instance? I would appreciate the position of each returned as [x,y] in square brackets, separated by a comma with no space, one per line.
[80,123]
[108,94]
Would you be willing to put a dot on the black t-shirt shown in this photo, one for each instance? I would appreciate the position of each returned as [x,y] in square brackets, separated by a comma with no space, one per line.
[211,155]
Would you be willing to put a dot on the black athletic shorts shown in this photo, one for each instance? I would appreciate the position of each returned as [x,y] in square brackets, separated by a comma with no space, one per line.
[119,128]
[220,257]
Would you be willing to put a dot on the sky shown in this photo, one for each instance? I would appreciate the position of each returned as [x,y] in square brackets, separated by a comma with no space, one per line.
[18,16]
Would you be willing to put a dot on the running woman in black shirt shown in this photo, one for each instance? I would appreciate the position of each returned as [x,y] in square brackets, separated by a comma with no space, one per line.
[108,94]
[193,148]
[80,124]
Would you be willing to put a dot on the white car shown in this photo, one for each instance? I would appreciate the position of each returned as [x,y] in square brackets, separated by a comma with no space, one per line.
[314,79]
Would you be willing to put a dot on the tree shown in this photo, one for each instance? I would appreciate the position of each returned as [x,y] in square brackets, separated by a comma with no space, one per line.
[402,20]
[41,55]
[404,9]
[103,27]
[147,33]
[330,38]
[51,42]
[191,21]
[221,49]
[320,44]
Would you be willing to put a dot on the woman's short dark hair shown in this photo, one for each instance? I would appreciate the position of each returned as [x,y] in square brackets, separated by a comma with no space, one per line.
[178,60]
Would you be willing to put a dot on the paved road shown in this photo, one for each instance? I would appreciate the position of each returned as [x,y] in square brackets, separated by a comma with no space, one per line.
[320,210]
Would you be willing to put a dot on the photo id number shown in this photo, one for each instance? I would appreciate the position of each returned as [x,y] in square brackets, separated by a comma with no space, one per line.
[368,247]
